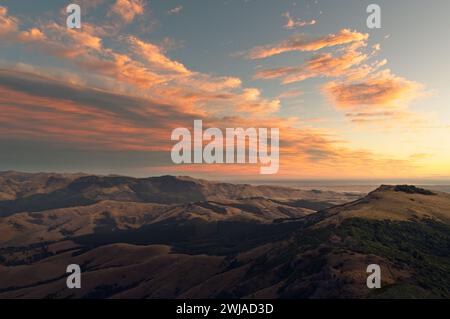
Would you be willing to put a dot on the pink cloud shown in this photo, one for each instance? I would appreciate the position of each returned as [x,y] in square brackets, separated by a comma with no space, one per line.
[34,34]
[154,55]
[127,10]
[321,65]
[8,24]
[302,42]
[379,90]
[291,23]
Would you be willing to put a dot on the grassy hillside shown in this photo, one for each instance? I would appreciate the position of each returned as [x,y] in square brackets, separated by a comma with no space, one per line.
[324,254]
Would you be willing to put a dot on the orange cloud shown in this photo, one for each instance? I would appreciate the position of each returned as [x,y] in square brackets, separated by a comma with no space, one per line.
[321,65]
[85,49]
[144,66]
[251,102]
[134,118]
[304,152]
[382,89]
[363,71]
[8,24]
[84,38]
[62,42]
[387,119]
[155,56]
[122,68]
[302,42]
[377,116]
[291,23]
[34,34]
[90,118]
[127,10]
[36,108]
[214,84]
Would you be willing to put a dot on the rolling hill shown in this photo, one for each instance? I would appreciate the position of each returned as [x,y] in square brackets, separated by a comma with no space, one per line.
[178,237]
[88,190]
[84,204]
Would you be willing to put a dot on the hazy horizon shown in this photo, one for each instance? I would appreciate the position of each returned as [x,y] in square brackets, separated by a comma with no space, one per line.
[362,186]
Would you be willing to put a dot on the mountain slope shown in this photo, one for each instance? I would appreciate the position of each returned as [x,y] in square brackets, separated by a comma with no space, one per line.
[398,203]
[321,255]
[88,190]
[15,185]
[108,216]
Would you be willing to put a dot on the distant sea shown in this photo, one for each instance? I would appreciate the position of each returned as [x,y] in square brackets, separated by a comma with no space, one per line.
[354,186]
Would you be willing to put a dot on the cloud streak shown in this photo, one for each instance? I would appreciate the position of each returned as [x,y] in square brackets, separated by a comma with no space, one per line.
[292,23]
[175,10]
[321,65]
[155,56]
[302,42]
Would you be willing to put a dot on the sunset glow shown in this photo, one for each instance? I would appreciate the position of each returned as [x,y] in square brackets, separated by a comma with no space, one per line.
[349,101]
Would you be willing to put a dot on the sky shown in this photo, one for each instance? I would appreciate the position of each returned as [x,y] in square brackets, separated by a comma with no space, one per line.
[349,101]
